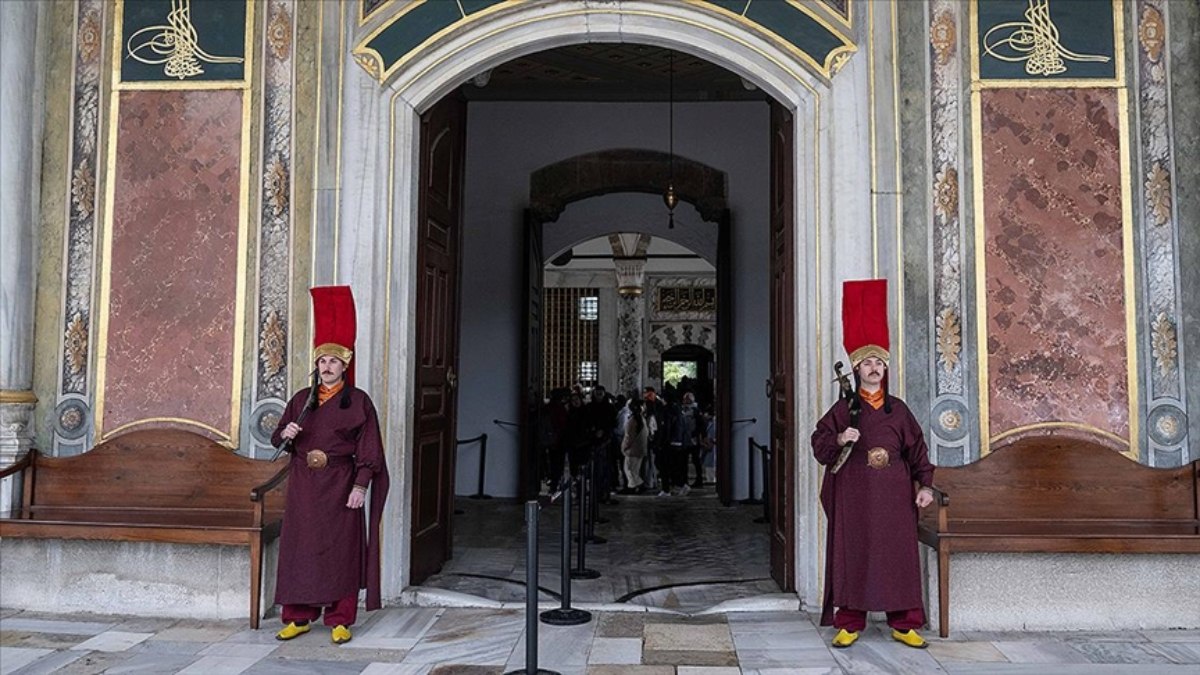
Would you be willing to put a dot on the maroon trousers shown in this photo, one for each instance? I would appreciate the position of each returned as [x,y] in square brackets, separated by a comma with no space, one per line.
[854,620]
[341,613]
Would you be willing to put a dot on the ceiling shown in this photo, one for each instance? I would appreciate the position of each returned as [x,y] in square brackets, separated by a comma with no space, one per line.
[608,72]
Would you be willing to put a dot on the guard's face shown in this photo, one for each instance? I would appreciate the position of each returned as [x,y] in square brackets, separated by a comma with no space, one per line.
[871,371]
[331,369]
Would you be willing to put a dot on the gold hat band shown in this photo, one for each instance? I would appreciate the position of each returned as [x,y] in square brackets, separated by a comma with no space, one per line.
[333,349]
[865,351]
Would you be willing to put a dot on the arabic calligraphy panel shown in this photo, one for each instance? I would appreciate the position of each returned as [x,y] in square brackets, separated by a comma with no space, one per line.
[1046,40]
[183,40]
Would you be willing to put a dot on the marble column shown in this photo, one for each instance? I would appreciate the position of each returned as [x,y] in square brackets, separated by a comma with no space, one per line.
[20,145]
[631,316]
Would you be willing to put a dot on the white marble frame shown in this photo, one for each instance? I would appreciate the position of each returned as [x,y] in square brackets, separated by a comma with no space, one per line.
[370,221]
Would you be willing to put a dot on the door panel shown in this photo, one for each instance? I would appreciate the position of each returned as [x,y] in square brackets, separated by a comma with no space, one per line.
[533,385]
[439,212]
[783,303]
[724,388]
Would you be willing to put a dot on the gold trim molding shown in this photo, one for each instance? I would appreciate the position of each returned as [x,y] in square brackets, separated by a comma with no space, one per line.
[17,396]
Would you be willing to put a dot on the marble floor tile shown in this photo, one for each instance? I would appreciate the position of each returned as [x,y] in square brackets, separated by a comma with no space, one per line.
[220,665]
[969,652]
[1177,652]
[680,637]
[112,641]
[144,664]
[197,631]
[30,640]
[397,669]
[1065,669]
[689,658]
[616,651]
[12,658]
[808,639]
[264,635]
[95,662]
[327,651]
[275,666]
[630,670]
[558,646]
[1119,652]
[470,637]
[707,670]
[51,663]
[19,623]
[400,629]
[239,650]
[1039,652]
[785,658]
[620,625]
[155,646]
[807,670]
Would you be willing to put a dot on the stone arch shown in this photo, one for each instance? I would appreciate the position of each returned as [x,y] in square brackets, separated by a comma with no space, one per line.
[553,187]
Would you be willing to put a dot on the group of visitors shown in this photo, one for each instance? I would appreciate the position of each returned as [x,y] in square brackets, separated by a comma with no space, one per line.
[639,444]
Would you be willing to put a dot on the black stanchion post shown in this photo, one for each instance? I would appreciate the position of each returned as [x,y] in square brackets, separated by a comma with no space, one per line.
[766,491]
[531,594]
[750,499]
[594,505]
[479,493]
[581,571]
[565,615]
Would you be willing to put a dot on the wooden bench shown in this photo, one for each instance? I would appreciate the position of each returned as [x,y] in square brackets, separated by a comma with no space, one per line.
[1057,495]
[153,486]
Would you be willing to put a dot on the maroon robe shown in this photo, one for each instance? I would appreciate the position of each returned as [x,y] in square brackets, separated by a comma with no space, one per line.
[871,558]
[325,553]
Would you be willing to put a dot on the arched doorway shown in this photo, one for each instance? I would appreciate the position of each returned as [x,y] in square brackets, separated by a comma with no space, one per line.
[370,214]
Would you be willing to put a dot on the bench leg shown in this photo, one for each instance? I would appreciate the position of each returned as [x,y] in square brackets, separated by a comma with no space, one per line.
[255,579]
[943,589]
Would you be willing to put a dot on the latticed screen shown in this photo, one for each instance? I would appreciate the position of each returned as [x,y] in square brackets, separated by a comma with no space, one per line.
[571,337]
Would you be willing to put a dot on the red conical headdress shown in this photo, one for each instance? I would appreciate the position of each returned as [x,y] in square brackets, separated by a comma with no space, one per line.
[335,325]
[865,320]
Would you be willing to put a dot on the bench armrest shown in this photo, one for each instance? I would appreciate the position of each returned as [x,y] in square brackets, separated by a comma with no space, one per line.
[259,492]
[942,500]
[19,465]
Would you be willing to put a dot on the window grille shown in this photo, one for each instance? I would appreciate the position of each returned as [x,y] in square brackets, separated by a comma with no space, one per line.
[571,337]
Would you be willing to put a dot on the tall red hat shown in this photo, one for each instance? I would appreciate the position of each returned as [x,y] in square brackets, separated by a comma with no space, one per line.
[865,320]
[335,325]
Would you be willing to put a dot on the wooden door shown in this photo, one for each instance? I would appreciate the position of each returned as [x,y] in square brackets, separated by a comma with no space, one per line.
[724,388]
[781,388]
[439,214]
[533,385]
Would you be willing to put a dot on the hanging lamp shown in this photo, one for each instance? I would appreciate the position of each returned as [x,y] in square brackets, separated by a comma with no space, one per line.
[670,198]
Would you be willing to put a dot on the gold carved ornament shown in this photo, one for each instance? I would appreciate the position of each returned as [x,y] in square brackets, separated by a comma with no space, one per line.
[279,33]
[276,187]
[945,193]
[89,37]
[1152,33]
[1034,41]
[1158,194]
[175,44]
[942,36]
[271,345]
[83,189]
[76,340]
[949,338]
[1163,344]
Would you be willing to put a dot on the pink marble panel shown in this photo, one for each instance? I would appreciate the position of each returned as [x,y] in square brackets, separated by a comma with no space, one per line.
[174,258]
[1056,338]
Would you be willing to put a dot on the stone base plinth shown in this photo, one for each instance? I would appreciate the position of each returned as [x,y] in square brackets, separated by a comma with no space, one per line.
[1068,591]
[141,579]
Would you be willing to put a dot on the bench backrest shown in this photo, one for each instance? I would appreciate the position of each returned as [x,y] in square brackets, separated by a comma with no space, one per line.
[1067,479]
[159,468]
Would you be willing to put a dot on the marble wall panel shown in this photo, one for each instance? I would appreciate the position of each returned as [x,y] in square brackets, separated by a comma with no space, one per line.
[1054,261]
[174,263]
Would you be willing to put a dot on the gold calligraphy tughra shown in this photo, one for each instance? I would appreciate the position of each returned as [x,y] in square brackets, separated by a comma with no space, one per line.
[175,44]
[1034,41]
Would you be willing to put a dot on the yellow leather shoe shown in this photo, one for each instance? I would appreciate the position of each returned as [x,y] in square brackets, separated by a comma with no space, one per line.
[341,635]
[844,638]
[293,630]
[910,638]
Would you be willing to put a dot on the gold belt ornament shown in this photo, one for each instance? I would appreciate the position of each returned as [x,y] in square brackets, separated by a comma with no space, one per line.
[878,458]
[316,459]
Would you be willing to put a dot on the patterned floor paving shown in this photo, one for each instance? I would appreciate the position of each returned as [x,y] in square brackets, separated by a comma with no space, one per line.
[442,641]
[684,553]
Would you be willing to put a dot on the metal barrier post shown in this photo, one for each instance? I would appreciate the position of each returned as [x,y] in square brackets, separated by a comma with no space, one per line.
[750,499]
[479,493]
[582,571]
[593,505]
[565,615]
[531,594]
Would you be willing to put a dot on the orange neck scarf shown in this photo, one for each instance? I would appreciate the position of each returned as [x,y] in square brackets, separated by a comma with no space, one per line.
[326,393]
[875,400]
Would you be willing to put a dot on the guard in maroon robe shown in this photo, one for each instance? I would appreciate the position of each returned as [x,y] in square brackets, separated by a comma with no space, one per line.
[326,553]
[871,499]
